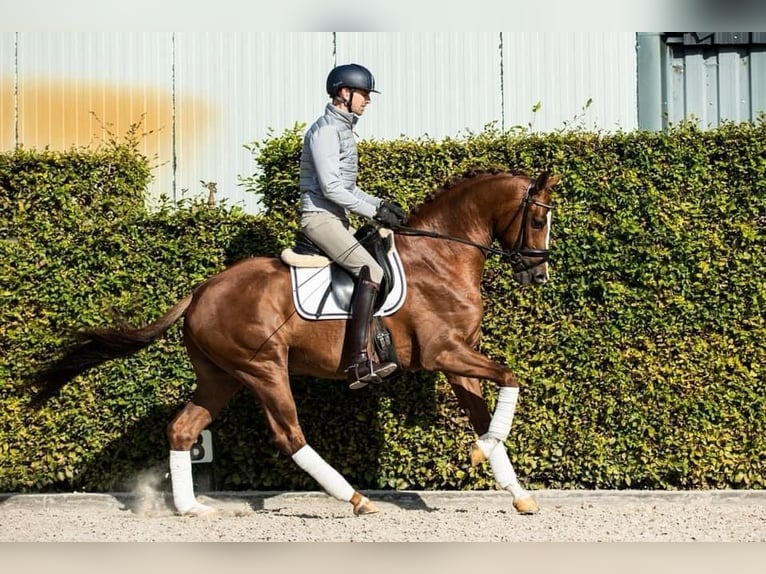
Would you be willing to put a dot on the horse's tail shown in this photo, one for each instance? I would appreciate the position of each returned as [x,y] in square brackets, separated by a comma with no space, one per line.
[98,346]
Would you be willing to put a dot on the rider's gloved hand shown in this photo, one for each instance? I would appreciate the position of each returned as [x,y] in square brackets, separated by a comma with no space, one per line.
[390,214]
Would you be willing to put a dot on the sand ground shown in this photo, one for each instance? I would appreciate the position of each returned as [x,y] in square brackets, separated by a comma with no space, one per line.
[486,516]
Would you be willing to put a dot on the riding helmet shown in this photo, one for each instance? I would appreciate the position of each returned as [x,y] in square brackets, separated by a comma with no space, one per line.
[350,76]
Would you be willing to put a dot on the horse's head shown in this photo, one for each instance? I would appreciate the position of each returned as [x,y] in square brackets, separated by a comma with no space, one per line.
[486,205]
[530,244]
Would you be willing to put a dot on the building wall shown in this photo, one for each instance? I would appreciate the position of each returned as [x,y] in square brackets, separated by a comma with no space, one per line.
[715,84]
[199,97]
[704,77]
[82,89]
[7,90]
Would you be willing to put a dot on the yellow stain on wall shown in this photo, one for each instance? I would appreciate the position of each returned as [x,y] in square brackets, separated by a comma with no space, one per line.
[7,115]
[62,114]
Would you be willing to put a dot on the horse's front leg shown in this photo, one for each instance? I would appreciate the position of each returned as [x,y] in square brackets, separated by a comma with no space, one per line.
[493,432]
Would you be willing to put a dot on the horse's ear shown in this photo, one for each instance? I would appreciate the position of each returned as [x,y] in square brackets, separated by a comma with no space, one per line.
[546,181]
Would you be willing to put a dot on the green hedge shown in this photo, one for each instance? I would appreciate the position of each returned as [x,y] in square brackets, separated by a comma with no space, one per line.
[640,362]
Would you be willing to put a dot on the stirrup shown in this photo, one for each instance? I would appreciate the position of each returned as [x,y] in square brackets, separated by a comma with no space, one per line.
[361,374]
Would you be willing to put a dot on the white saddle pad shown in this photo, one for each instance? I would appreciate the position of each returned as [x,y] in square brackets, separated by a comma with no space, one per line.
[310,284]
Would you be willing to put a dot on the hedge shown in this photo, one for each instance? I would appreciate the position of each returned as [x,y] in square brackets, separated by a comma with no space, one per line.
[641,361]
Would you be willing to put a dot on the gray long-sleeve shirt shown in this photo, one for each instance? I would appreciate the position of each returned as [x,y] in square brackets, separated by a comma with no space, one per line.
[328,169]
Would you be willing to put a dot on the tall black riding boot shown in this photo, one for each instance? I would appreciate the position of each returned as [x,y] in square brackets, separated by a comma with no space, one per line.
[362,369]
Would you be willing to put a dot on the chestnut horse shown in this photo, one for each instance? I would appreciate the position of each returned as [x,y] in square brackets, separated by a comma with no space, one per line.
[241,329]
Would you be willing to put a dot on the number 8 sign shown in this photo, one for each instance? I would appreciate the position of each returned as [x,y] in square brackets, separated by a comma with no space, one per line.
[202,450]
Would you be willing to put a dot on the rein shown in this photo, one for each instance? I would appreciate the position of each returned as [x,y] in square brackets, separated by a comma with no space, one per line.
[515,255]
[404,230]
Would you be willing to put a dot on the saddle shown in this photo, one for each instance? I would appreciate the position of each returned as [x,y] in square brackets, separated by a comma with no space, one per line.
[322,289]
[379,242]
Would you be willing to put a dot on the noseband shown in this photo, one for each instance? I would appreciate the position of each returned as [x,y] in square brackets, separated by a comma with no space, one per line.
[516,255]
[519,252]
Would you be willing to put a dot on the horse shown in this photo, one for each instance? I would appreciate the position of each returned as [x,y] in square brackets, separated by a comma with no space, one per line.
[241,330]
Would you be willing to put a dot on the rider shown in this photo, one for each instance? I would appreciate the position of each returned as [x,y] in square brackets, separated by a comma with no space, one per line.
[328,172]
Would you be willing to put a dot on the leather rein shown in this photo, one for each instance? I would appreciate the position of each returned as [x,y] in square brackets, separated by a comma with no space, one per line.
[516,255]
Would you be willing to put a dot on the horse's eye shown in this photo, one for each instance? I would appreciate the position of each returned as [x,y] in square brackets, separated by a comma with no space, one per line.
[538,223]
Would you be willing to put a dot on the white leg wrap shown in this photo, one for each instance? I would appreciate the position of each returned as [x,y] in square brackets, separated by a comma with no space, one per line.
[504,473]
[500,425]
[181,480]
[327,477]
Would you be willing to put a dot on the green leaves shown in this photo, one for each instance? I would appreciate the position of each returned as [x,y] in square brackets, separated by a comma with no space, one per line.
[641,362]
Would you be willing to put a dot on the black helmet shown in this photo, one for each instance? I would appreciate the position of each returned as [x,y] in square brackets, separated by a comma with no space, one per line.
[350,76]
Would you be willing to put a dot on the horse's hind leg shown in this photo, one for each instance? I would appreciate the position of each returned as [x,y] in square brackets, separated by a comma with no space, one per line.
[492,433]
[214,390]
[272,387]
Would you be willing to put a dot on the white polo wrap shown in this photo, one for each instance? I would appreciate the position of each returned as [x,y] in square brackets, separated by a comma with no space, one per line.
[181,480]
[500,425]
[504,473]
[327,477]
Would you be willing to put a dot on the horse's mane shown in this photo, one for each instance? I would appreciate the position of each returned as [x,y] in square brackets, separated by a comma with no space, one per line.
[470,173]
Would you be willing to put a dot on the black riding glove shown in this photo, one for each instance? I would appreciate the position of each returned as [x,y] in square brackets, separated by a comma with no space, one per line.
[390,214]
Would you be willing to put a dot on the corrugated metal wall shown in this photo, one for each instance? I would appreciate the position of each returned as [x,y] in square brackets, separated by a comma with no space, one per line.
[79,89]
[704,77]
[563,71]
[7,91]
[202,96]
[230,89]
[433,84]
[712,84]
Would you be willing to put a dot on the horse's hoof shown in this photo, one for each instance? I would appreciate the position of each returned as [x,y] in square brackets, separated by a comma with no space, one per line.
[526,505]
[365,506]
[477,455]
[200,511]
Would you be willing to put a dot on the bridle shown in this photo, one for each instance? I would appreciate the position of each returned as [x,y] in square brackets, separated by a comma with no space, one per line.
[517,254]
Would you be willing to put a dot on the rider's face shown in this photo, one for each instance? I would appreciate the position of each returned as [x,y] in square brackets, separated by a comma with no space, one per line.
[359,100]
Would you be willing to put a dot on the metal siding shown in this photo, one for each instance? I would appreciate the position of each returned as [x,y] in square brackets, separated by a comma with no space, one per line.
[205,95]
[562,71]
[727,83]
[757,79]
[674,88]
[698,97]
[7,87]
[712,105]
[649,61]
[720,83]
[434,84]
[82,89]
[231,90]
[734,101]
